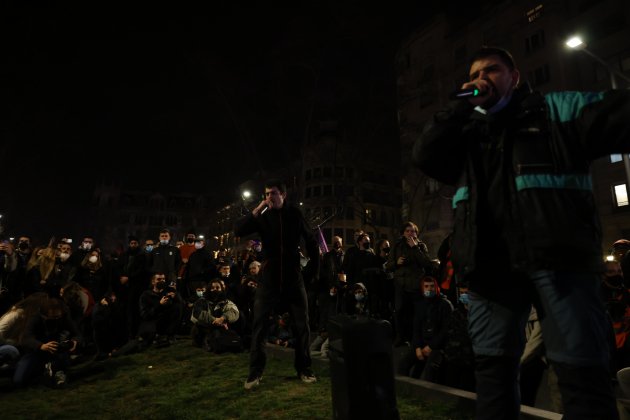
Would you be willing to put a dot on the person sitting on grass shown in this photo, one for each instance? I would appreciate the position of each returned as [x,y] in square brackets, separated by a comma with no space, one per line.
[281,332]
[49,338]
[212,316]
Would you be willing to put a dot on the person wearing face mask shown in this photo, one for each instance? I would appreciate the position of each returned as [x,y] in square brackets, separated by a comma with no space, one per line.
[56,273]
[161,309]
[166,258]
[354,262]
[526,226]
[16,280]
[200,267]
[84,248]
[357,300]
[429,329]
[459,359]
[133,280]
[92,275]
[213,316]
[185,250]
[8,265]
[46,344]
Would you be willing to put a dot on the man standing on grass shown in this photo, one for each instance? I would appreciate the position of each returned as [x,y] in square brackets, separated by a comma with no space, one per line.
[281,227]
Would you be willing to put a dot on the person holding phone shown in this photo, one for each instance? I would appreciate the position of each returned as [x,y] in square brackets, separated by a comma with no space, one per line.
[409,261]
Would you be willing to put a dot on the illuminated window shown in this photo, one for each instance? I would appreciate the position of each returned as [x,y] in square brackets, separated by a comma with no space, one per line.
[616,158]
[621,195]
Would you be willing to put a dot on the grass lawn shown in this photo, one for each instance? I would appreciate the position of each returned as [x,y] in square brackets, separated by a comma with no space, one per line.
[183,382]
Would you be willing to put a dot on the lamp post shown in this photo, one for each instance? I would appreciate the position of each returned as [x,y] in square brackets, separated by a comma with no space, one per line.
[576,43]
[245,196]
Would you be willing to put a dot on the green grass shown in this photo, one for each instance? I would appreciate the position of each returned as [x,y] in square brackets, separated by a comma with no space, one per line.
[183,382]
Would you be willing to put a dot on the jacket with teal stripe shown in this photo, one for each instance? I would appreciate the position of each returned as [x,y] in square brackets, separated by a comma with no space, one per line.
[546,147]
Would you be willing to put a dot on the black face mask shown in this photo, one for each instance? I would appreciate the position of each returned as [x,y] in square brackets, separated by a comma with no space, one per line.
[190,240]
[367,245]
[23,246]
[214,295]
[52,324]
[386,250]
[160,285]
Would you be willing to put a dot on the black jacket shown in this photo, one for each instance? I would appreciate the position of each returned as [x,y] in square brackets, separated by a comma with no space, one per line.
[541,204]
[281,231]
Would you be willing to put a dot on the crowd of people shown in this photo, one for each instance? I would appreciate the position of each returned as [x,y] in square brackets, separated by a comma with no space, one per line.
[58,302]
[526,234]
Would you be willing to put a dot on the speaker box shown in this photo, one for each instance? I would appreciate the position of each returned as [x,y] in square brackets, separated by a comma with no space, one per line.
[361,368]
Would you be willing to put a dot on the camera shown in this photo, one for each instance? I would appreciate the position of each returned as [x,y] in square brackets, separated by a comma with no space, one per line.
[65,345]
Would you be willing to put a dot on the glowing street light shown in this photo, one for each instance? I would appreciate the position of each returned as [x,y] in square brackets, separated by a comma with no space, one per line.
[575,42]
[246,194]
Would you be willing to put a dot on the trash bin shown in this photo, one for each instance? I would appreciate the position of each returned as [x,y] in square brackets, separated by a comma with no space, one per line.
[361,368]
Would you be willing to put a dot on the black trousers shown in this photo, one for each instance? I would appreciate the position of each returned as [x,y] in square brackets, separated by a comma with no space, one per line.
[267,299]
[585,390]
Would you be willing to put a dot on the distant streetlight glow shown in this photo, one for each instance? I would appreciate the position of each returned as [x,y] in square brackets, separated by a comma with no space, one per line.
[247,194]
[575,42]
[201,237]
[610,258]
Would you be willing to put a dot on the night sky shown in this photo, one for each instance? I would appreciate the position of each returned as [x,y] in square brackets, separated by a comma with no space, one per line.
[177,99]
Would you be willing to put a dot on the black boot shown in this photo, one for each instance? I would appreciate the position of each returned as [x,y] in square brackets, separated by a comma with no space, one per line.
[586,391]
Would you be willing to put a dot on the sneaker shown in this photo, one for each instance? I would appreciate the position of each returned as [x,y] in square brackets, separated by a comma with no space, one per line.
[253,380]
[60,378]
[307,376]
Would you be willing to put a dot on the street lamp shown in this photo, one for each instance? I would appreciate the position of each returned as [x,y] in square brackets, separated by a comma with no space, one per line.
[576,43]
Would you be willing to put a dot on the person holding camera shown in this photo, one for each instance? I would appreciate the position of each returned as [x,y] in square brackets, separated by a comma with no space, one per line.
[161,310]
[49,338]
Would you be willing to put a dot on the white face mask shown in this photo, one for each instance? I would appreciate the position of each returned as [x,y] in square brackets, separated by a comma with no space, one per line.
[164,242]
[87,245]
[199,293]
[93,259]
[198,245]
[64,256]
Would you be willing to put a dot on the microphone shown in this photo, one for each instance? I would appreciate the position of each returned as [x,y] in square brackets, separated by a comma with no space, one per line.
[465,93]
[264,210]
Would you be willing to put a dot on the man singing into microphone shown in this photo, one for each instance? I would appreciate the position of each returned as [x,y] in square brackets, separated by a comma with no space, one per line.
[281,227]
[526,228]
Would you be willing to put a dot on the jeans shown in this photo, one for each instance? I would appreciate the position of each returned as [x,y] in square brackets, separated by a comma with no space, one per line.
[574,328]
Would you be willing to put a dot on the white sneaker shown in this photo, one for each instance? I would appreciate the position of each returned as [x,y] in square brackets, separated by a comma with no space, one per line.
[307,376]
[60,378]
[252,381]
